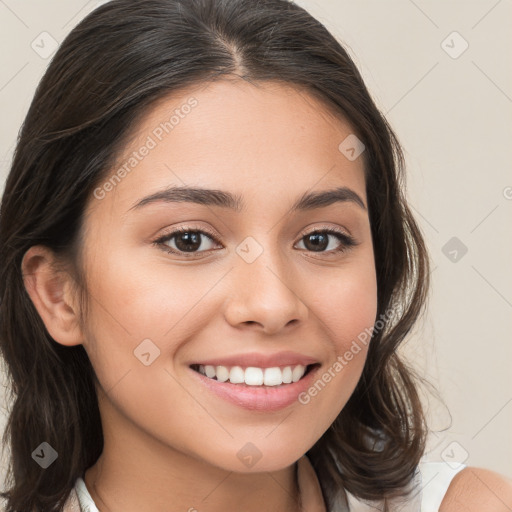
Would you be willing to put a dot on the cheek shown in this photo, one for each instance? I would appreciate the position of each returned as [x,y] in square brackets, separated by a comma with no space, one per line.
[346,303]
[346,308]
[147,300]
[133,302]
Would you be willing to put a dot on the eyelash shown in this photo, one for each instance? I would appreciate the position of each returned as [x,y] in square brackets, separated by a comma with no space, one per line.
[346,241]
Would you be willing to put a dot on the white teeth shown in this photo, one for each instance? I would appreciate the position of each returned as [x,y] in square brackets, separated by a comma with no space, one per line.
[209,371]
[236,375]
[273,377]
[253,376]
[287,375]
[298,372]
[222,373]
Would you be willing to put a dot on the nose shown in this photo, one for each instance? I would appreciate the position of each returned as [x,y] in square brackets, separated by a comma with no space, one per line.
[262,295]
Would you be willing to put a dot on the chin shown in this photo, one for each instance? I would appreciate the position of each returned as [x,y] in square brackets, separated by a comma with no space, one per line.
[254,457]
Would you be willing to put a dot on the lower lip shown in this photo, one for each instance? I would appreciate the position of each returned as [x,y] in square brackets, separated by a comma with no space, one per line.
[259,398]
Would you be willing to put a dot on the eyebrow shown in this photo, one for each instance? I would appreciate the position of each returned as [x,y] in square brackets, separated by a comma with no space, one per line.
[214,197]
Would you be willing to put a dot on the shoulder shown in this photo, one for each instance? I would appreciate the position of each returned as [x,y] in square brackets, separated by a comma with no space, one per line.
[476,489]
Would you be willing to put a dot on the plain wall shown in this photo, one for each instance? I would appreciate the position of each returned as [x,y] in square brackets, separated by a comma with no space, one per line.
[451,109]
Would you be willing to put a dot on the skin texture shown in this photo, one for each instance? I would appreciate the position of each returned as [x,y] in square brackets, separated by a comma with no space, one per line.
[168,439]
[477,489]
[170,444]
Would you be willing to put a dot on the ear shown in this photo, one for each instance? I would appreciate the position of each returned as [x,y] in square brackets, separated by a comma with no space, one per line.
[50,292]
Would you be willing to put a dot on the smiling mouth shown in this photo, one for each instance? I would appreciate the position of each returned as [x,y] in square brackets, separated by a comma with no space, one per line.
[254,376]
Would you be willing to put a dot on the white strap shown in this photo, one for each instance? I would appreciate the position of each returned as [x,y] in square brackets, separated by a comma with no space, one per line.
[86,502]
[436,477]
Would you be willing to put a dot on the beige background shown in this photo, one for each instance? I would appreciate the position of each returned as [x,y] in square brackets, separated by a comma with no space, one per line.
[452,113]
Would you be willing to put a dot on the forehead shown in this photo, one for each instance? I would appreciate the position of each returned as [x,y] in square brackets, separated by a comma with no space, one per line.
[273,138]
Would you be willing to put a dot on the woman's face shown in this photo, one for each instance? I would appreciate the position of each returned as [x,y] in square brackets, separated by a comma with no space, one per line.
[259,289]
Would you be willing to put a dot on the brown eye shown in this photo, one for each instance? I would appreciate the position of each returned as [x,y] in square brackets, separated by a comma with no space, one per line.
[188,242]
[329,240]
[185,241]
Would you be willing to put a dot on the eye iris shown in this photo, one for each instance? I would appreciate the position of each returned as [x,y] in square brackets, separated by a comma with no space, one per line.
[188,241]
[319,241]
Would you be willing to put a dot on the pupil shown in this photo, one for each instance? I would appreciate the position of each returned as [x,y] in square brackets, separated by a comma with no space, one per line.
[191,241]
[316,241]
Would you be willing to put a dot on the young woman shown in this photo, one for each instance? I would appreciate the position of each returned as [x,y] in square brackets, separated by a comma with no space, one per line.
[207,267]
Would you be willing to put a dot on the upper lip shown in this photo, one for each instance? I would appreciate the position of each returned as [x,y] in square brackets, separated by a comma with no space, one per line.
[259,360]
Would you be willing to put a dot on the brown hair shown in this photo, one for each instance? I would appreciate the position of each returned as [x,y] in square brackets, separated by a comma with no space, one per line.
[118,61]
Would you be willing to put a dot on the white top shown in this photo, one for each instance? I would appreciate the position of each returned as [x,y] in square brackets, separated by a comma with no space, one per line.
[430,485]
